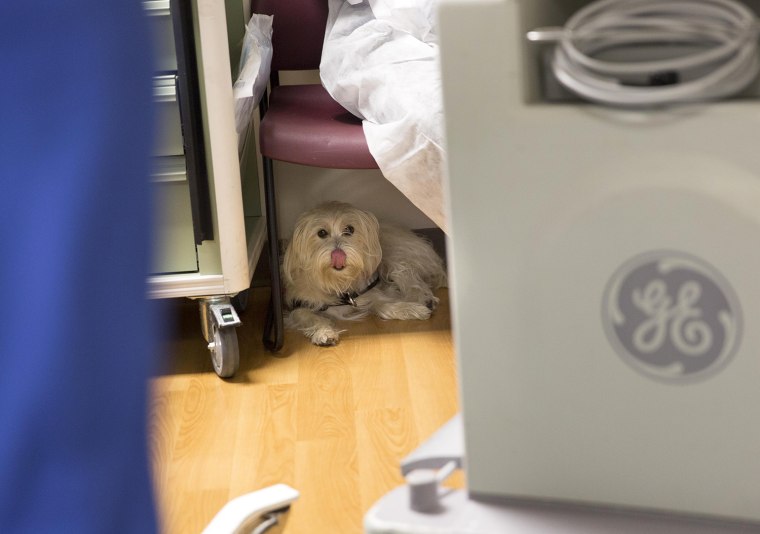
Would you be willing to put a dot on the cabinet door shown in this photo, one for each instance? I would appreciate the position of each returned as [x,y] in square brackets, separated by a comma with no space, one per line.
[180,176]
[169,140]
[174,247]
[162,32]
[191,115]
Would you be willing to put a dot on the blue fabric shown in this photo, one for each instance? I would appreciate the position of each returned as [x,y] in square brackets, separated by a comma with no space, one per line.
[76,332]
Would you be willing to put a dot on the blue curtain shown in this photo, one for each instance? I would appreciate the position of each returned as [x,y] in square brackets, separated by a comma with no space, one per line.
[77,335]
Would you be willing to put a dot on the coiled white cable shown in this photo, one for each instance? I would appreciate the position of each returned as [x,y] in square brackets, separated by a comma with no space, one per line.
[721,36]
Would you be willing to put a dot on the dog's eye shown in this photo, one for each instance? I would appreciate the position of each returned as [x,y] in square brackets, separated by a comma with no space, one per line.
[348,230]
[322,233]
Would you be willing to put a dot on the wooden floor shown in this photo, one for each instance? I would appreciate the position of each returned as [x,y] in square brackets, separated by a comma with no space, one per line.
[331,422]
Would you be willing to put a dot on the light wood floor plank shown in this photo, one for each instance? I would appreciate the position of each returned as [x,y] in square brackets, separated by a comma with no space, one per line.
[264,452]
[327,477]
[331,422]
[379,372]
[384,437]
[325,395]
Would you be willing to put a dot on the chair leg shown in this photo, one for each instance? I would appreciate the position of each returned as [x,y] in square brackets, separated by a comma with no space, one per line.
[273,327]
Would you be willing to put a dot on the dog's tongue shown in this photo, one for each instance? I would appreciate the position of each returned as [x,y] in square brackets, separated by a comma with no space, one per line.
[338,258]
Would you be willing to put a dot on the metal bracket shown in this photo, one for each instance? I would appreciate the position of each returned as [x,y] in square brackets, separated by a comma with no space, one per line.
[216,312]
[224,315]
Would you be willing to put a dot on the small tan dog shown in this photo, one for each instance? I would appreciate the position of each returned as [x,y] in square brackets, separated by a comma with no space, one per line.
[342,264]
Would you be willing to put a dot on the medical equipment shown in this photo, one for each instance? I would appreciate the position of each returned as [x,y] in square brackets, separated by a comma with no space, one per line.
[210,228]
[253,513]
[667,52]
[604,293]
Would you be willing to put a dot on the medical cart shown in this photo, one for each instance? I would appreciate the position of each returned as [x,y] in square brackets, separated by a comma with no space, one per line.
[210,227]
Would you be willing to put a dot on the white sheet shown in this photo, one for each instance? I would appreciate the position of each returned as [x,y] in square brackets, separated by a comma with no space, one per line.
[381,62]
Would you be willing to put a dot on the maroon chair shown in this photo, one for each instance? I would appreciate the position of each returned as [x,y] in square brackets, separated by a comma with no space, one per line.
[300,123]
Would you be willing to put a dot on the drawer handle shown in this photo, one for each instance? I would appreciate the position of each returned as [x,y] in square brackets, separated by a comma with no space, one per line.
[165,88]
[156,8]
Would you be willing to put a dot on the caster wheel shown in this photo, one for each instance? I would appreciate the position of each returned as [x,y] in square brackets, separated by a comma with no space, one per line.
[225,356]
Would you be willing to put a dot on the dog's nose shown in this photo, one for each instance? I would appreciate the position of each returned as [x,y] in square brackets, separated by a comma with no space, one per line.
[338,259]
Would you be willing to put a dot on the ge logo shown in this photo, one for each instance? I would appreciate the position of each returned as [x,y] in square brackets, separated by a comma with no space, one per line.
[671,316]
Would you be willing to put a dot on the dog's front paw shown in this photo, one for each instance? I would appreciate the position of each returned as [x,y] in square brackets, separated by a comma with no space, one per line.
[432,303]
[325,337]
[318,329]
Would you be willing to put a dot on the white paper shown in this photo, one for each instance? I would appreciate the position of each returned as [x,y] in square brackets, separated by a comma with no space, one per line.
[253,71]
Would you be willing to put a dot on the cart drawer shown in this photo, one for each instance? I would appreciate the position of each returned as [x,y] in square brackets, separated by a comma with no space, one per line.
[174,245]
[169,141]
[160,22]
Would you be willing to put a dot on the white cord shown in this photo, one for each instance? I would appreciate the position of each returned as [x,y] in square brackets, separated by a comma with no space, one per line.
[723,35]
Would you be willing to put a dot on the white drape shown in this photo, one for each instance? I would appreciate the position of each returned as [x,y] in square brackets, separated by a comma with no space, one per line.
[381,62]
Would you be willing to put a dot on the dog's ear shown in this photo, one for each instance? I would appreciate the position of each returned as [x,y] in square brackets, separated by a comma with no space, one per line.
[369,222]
[294,253]
[370,229]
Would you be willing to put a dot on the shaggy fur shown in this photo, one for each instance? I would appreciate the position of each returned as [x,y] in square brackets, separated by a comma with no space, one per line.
[337,251]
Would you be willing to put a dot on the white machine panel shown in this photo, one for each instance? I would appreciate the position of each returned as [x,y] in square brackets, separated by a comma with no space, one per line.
[606,284]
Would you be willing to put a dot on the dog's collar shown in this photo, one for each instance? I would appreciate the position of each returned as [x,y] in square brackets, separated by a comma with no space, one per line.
[346,299]
[350,298]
